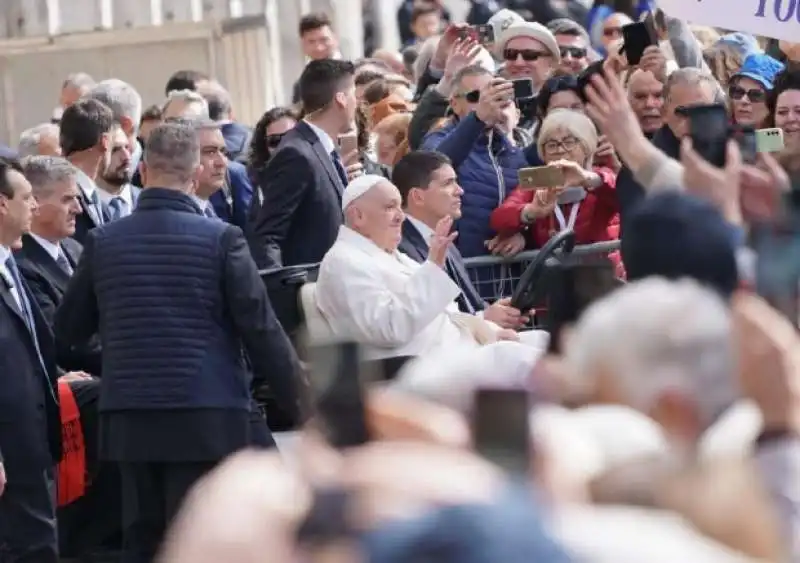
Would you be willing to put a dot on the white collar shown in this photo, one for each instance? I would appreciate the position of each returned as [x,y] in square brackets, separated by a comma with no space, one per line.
[426,232]
[5,252]
[201,203]
[324,138]
[53,249]
[125,194]
[352,238]
[85,183]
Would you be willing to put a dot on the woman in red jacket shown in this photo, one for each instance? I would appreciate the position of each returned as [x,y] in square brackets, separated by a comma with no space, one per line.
[586,203]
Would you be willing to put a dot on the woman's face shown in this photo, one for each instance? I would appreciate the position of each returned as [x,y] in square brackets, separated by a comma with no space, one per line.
[386,147]
[787,117]
[563,144]
[278,129]
[566,99]
[748,101]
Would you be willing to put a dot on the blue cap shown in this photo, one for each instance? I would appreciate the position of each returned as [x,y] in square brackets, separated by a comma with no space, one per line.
[743,43]
[675,235]
[760,67]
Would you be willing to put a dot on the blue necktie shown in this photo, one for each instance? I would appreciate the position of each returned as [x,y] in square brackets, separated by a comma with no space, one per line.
[25,305]
[119,208]
[337,163]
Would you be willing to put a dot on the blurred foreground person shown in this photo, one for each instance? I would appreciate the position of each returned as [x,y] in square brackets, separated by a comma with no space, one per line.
[176,389]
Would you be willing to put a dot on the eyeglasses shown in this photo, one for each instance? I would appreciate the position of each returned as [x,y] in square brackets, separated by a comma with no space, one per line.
[755,95]
[274,140]
[566,144]
[573,52]
[528,55]
[612,32]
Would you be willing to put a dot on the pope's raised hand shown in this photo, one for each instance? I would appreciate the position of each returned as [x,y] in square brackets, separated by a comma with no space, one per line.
[442,237]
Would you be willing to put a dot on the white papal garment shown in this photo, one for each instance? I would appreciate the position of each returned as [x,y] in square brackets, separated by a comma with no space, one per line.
[395,306]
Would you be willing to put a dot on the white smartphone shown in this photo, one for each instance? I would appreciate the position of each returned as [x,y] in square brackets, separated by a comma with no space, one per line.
[769,140]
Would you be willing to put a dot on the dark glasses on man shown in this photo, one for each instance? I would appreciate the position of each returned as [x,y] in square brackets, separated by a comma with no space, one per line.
[755,95]
[574,52]
[274,140]
[528,55]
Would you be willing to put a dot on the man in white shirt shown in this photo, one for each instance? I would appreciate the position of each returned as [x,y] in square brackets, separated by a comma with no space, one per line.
[114,183]
[393,306]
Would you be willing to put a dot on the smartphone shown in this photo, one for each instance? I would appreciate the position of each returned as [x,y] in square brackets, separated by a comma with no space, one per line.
[337,389]
[484,34]
[769,140]
[710,130]
[501,429]
[637,37]
[540,177]
[348,143]
[585,77]
[523,89]
[745,137]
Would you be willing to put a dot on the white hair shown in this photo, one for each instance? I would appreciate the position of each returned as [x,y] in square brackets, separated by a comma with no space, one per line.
[187,97]
[30,138]
[654,335]
[122,98]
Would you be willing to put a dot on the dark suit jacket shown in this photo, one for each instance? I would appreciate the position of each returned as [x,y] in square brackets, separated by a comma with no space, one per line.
[302,209]
[232,202]
[30,425]
[48,283]
[414,246]
[85,222]
[237,139]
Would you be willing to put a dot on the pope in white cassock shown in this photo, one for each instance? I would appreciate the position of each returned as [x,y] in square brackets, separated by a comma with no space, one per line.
[369,292]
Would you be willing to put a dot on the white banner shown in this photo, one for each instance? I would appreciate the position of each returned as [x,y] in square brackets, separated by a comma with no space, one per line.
[779,19]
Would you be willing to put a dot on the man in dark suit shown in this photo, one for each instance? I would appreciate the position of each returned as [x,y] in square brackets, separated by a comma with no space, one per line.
[302,209]
[429,187]
[86,128]
[30,428]
[182,307]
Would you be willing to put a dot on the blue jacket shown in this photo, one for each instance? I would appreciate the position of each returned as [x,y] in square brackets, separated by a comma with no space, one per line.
[486,178]
[232,202]
[237,139]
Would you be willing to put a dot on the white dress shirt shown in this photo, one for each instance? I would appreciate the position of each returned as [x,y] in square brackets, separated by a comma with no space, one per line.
[5,253]
[124,194]
[327,143]
[426,232]
[85,183]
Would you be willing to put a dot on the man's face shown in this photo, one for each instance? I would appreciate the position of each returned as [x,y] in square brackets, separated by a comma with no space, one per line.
[17,211]
[684,96]
[215,164]
[379,216]
[427,25]
[528,58]
[319,43]
[55,217]
[574,53]
[117,173]
[467,88]
[646,96]
[147,127]
[442,197]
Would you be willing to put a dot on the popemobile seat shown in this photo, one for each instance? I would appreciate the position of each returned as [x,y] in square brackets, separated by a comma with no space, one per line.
[283,286]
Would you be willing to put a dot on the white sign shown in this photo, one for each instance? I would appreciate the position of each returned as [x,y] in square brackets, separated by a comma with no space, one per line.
[779,19]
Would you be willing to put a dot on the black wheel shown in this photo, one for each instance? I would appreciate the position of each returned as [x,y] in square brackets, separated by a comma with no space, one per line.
[525,294]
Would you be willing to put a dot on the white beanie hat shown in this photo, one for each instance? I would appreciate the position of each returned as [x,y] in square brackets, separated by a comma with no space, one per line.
[359,187]
[503,19]
[533,30]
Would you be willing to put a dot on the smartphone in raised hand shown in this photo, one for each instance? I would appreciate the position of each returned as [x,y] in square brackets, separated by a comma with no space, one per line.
[539,177]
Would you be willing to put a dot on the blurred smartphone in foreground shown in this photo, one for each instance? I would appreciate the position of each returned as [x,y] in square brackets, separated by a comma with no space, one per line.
[501,429]
[585,77]
[539,177]
[637,37]
[348,143]
[745,137]
[337,389]
[769,140]
[709,130]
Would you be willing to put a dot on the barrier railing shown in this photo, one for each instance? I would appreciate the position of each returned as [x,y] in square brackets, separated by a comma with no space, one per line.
[495,276]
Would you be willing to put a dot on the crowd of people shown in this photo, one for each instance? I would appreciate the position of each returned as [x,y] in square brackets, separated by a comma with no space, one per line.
[150,377]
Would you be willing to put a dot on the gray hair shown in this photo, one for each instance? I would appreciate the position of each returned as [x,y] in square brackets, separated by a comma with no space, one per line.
[122,98]
[654,335]
[469,70]
[566,26]
[78,80]
[172,150]
[197,124]
[691,76]
[30,138]
[43,171]
[187,97]
[217,98]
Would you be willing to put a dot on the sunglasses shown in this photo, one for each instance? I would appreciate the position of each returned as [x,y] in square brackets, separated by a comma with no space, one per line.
[574,52]
[528,55]
[274,140]
[612,32]
[755,95]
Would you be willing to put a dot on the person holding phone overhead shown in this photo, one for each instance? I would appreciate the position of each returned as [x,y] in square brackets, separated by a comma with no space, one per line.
[585,201]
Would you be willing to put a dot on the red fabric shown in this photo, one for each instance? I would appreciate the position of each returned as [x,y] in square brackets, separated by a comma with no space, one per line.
[72,469]
[597,219]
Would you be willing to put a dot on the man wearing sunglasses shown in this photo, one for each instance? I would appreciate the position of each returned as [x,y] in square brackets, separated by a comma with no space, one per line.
[573,44]
[529,50]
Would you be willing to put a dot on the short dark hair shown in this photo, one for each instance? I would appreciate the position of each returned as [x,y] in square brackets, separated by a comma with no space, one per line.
[83,124]
[152,113]
[415,170]
[6,165]
[310,22]
[376,91]
[368,76]
[423,10]
[184,80]
[566,26]
[321,81]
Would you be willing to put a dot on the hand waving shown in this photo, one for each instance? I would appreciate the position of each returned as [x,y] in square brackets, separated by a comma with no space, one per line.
[464,53]
[442,237]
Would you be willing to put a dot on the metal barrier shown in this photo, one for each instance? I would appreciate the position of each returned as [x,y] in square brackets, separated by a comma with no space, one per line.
[495,277]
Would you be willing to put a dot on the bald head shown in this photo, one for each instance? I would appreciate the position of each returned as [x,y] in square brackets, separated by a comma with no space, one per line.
[373,208]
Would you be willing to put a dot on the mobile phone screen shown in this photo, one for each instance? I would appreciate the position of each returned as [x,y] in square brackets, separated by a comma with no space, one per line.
[484,34]
[523,89]
[585,77]
[500,428]
[337,392]
[637,37]
[710,130]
